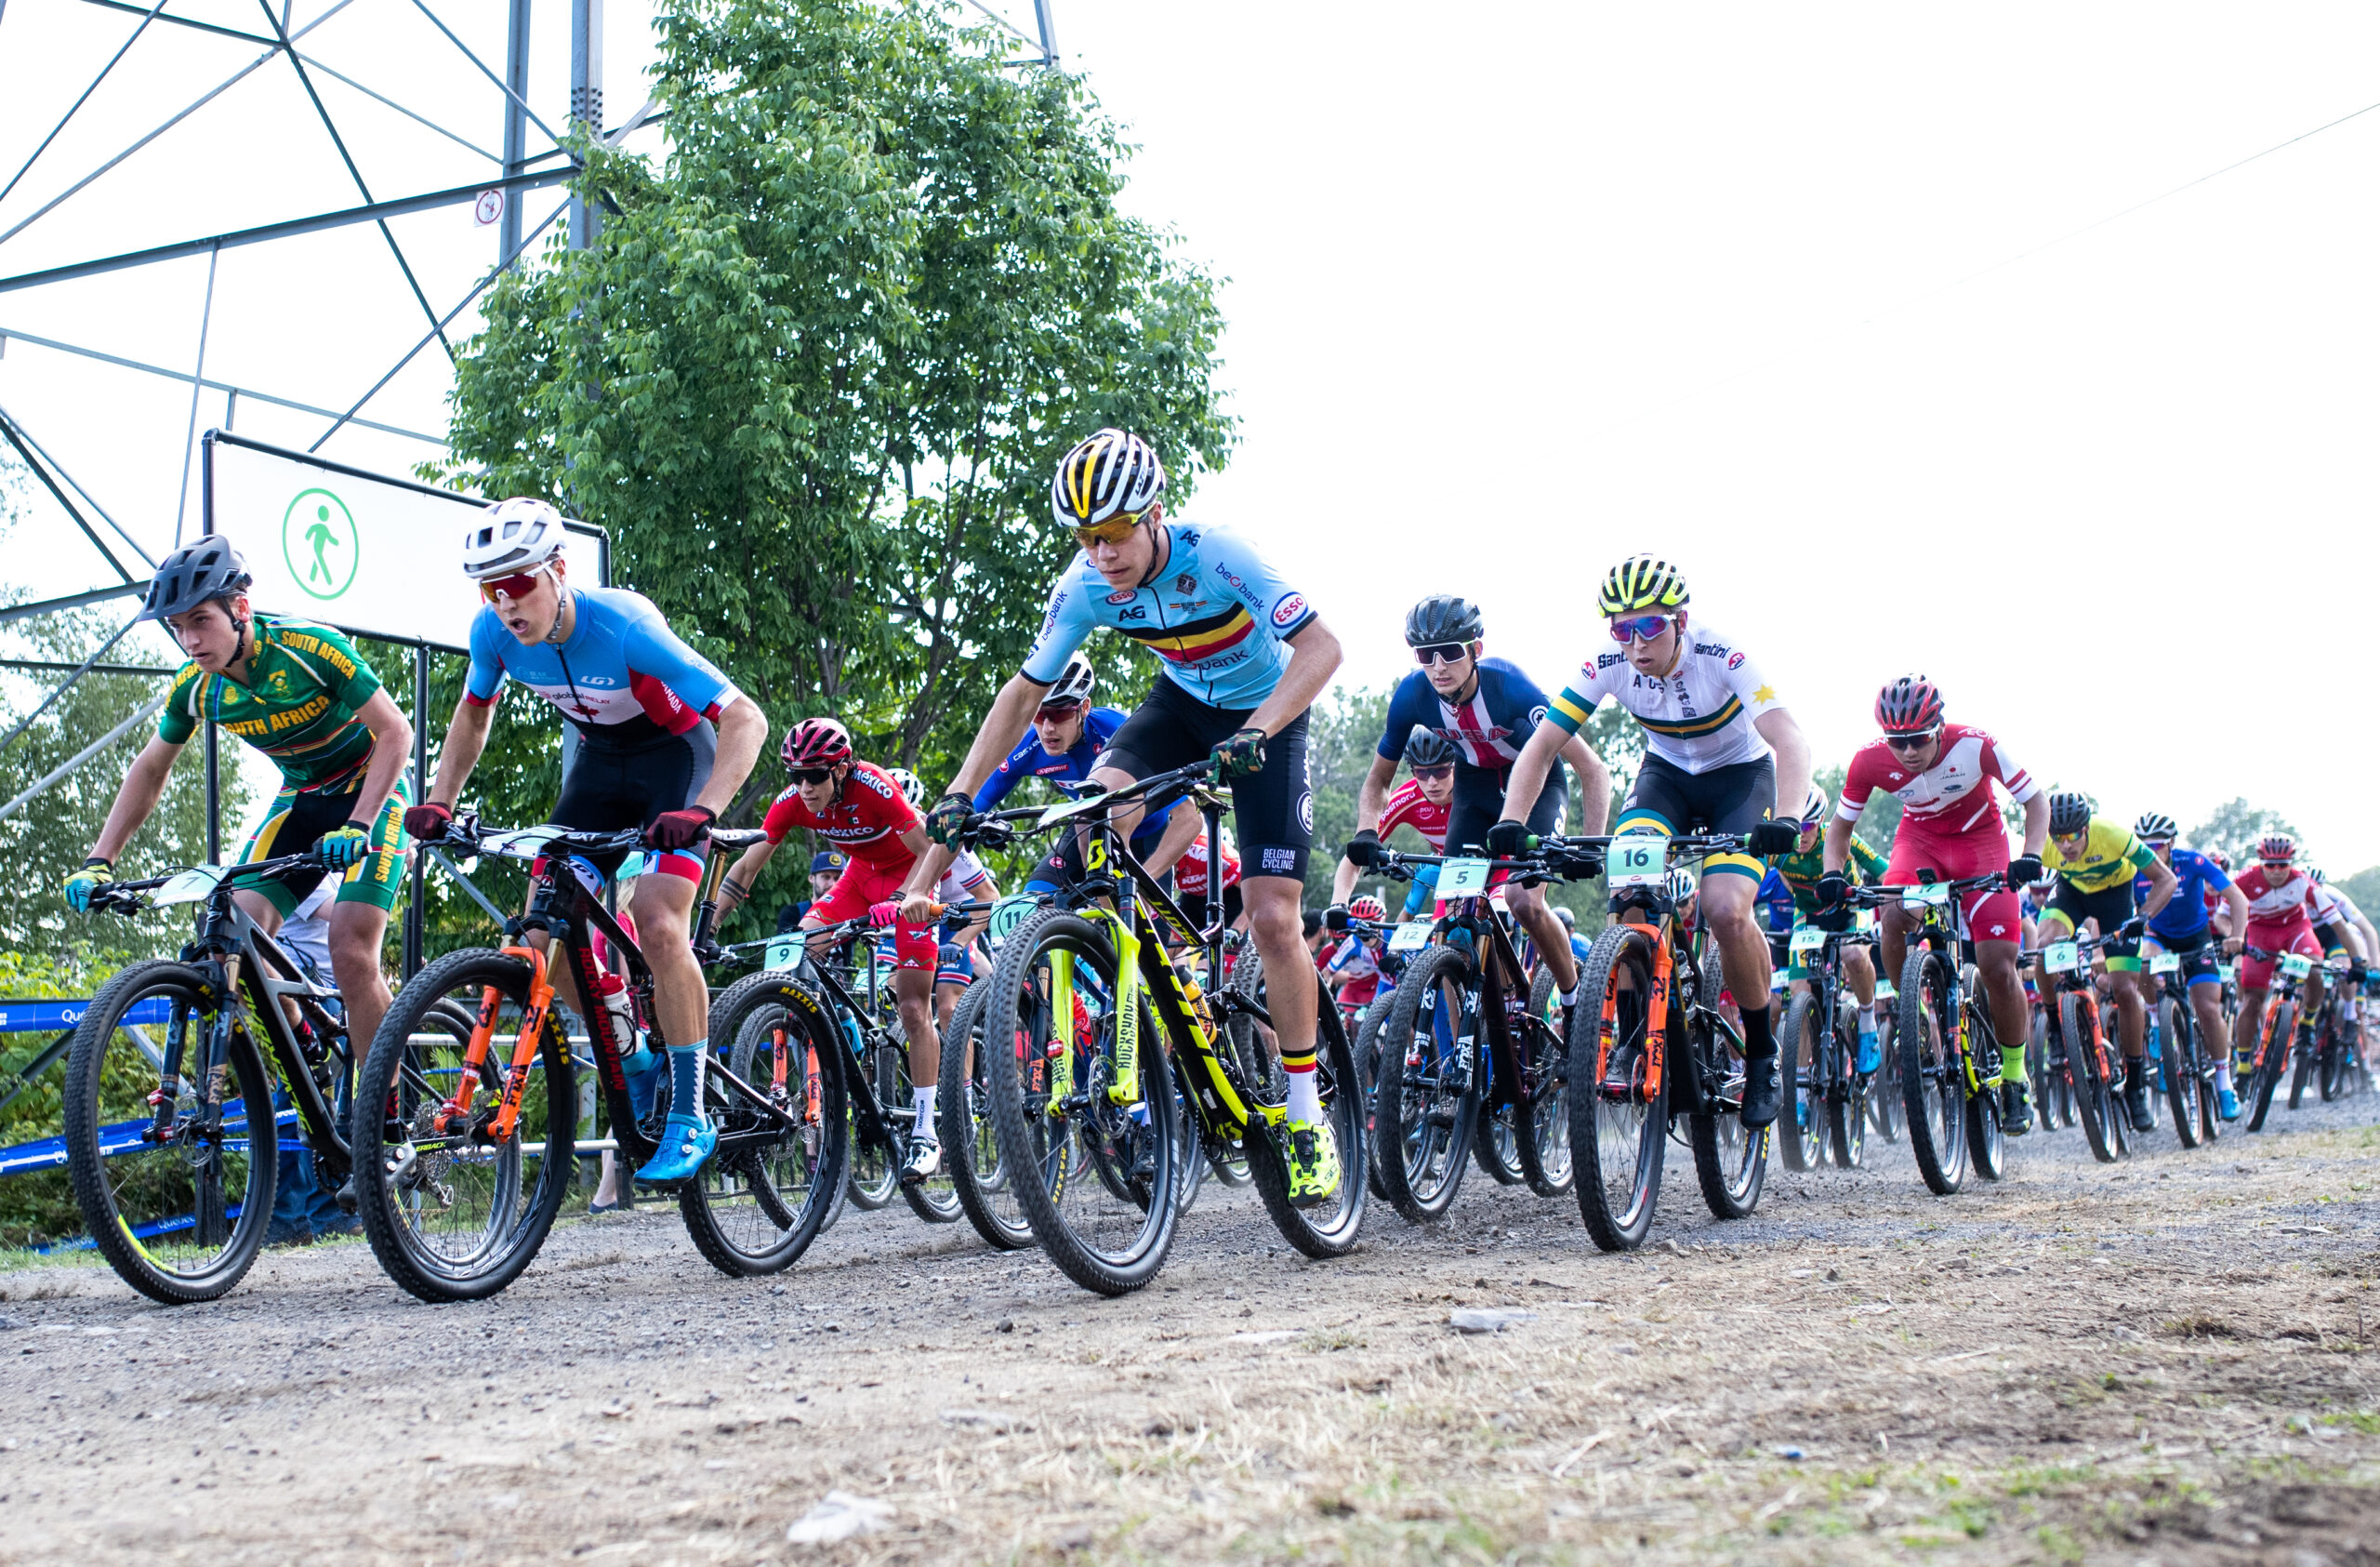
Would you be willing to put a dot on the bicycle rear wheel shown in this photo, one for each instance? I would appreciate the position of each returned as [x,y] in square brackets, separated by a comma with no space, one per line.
[1367,1055]
[760,1201]
[970,1146]
[1846,1106]
[2177,1036]
[1801,1129]
[179,1219]
[2303,1054]
[1618,1117]
[1049,1102]
[2078,1022]
[1545,1110]
[1987,1145]
[1495,1145]
[1425,1108]
[1931,1096]
[1329,1227]
[1883,1090]
[2281,1018]
[452,1215]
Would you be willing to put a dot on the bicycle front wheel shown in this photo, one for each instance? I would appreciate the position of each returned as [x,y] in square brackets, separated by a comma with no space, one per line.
[1847,1105]
[1051,1006]
[1883,1092]
[2280,1028]
[1426,1105]
[2303,1053]
[1618,1114]
[1367,1052]
[2177,1032]
[2078,1021]
[180,1215]
[1987,1145]
[969,1148]
[453,1211]
[765,1195]
[1931,1097]
[1801,1131]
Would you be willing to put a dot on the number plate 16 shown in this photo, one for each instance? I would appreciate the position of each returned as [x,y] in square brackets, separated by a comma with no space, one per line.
[1638,860]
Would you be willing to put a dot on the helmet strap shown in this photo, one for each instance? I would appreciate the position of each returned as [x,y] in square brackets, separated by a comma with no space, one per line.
[1161,546]
[561,608]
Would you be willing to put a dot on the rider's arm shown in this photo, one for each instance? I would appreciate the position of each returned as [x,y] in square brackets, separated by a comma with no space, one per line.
[1011,714]
[1182,828]
[1342,881]
[737,885]
[144,783]
[1530,769]
[1835,845]
[2161,883]
[1315,654]
[1872,865]
[1594,784]
[466,737]
[1372,798]
[391,748]
[743,730]
[1784,736]
[2037,822]
[2236,903]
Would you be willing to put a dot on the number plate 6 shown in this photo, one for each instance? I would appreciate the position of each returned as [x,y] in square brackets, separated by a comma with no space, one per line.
[2062,957]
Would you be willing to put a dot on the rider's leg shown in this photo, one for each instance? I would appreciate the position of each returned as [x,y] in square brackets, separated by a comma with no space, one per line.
[2004,990]
[663,906]
[1275,910]
[2132,1013]
[1726,902]
[2247,1023]
[357,930]
[1860,972]
[1536,916]
[913,994]
[1894,925]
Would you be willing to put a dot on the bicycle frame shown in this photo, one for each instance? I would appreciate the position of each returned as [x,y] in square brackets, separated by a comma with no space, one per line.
[1502,976]
[1943,924]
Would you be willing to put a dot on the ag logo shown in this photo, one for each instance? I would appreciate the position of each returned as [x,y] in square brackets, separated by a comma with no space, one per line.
[320,543]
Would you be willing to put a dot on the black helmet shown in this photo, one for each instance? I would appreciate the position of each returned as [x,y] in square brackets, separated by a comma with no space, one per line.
[1427,747]
[2070,811]
[1442,618]
[193,575]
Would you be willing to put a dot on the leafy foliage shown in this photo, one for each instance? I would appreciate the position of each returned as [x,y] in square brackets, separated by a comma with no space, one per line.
[2234,828]
[817,370]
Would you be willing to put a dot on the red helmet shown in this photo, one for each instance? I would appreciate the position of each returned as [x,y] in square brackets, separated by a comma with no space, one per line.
[1367,907]
[2277,845]
[1909,706]
[2221,860]
[816,742]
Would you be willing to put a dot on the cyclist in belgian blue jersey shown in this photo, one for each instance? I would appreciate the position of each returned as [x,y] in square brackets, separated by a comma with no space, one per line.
[644,705]
[2184,927]
[1243,656]
[1487,710]
[1066,740]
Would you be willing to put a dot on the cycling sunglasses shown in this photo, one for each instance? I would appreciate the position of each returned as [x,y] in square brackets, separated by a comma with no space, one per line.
[1058,712]
[1115,530]
[1911,743]
[1444,770]
[515,587]
[1441,652]
[1643,628]
[812,777]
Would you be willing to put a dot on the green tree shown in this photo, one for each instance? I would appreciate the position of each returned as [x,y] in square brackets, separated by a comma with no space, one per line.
[2234,828]
[816,371]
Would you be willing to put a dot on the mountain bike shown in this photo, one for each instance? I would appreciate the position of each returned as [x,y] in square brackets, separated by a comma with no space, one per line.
[1883,1093]
[1471,1035]
[2277,1037]
[1651,987]
[2189,1068]
[1950,1054]
[2334,1039]
[170,1078]
[2080,1034]
[1084,1118]
[1827,1095]
[462,1155]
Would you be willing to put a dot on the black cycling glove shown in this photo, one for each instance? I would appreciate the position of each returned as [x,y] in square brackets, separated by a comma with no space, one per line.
[1334,919]
[1768,839]
[1832,888]
[1508,840]
[2023,871]
[1363,849]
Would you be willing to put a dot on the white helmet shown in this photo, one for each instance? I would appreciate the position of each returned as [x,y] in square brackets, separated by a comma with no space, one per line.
[1075,685]
[511,536]
[1110,473]
[912,788]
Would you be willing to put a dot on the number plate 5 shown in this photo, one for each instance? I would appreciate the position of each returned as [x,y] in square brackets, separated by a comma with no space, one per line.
[1462,878]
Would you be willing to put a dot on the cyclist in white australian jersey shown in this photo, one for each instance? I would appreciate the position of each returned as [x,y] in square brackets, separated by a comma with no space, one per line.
[1721,751]
[1243,656]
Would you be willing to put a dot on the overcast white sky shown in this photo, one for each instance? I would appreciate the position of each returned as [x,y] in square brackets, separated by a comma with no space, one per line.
[1514,292]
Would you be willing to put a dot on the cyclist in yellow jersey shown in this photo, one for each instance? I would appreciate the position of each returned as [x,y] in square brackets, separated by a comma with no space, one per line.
[2095,859]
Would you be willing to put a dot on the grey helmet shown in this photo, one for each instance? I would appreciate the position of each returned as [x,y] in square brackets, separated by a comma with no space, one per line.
[192,575]
[1426,747]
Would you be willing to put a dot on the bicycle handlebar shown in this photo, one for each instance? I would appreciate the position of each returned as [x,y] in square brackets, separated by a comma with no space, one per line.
[124,897]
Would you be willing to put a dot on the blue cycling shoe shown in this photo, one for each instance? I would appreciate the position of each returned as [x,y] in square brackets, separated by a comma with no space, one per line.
[686,1145]
[1872,1054]
[2227,1104]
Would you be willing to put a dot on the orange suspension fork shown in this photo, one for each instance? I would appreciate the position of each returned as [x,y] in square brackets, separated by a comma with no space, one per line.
[1657,1013]
[457,1107]
[524,1048]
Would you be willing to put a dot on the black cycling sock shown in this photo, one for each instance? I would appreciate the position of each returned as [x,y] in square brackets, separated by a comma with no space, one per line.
[1758,1039]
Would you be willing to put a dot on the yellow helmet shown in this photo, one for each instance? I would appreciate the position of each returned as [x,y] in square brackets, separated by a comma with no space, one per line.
[1642,582]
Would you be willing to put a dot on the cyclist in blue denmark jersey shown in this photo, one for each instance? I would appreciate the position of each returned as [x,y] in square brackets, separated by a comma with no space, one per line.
[1487,710]
[2184,929]
[1243,657]
[642,706]
[1067,738]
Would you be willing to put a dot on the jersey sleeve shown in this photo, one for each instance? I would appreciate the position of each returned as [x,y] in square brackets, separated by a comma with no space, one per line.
[1233,561]
[786,813]
[2214,875]
[1008,775]
[2137,853]
[2021,786]
[1866,859]
[1571,709]
[178,722]
[1065,622]
[1400,810]
[1859,783]
[1742,676]
[1406,707]
[486,678]
[654,651]
[1524,705]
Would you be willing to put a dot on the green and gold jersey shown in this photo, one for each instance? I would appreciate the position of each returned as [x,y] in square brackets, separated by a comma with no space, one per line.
[2111,852]
[1800,872]
[298,706]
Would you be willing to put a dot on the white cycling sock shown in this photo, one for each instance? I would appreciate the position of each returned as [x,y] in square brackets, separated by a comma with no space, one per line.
[1569,997]
[1305,1096]
[2223,1074]
[925,1114]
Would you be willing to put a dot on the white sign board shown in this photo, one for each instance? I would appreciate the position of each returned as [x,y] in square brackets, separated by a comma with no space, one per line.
[361,551]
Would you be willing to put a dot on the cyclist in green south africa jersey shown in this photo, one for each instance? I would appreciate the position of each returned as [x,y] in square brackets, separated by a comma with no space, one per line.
[302,695]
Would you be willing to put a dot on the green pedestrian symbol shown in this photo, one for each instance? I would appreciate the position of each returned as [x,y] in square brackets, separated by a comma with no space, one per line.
[320,543]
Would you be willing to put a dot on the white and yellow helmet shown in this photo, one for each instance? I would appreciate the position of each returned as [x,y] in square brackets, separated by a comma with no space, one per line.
[1112,473]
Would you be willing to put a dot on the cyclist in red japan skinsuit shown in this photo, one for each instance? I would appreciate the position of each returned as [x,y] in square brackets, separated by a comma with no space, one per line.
[2282,902]
[1943,775]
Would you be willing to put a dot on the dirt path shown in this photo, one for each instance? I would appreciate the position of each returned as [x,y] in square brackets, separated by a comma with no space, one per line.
[2166,1361]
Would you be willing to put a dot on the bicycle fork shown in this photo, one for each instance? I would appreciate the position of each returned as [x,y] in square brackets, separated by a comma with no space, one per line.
[457,1110]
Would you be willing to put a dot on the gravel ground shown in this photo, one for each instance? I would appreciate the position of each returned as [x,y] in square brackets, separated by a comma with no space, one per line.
[2165,1361]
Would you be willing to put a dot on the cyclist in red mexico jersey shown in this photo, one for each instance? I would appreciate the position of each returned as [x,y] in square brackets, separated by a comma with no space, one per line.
[1192,886]
[1243,656]
[642,753]
[1943,775]
[856,806]
[1487,710]
[1721,751]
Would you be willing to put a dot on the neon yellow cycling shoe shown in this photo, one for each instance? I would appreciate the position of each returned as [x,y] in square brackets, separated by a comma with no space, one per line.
[1313,1162]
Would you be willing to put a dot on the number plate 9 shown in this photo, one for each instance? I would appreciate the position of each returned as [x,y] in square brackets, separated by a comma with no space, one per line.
[784,952]
[2062,957]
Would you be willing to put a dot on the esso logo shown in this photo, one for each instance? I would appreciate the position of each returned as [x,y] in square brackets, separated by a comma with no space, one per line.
[1289,609]
[1125,597]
